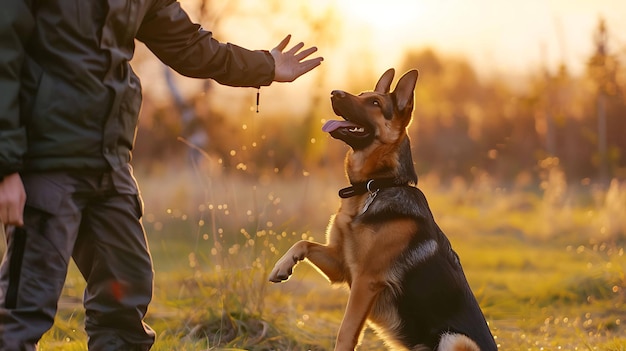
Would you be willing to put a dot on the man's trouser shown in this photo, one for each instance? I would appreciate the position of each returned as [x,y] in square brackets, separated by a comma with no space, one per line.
[96,221]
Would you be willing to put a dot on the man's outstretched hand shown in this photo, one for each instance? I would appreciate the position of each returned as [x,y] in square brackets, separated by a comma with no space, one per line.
[289,65]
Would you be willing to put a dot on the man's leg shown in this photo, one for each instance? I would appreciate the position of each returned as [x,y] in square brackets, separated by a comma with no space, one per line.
[112,254]
[35,265]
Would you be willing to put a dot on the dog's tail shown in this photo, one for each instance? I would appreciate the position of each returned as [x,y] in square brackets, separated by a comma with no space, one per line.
[456,342]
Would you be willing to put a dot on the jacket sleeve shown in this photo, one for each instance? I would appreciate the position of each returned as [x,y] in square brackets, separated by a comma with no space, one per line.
[191,51]
[16,23]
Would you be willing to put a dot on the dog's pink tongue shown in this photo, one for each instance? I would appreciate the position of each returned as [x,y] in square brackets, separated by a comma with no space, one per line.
[333,125]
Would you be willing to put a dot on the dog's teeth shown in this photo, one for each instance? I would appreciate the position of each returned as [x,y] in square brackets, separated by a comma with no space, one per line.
[357,130]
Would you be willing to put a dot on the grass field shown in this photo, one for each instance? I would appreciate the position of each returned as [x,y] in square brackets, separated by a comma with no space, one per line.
[547,265]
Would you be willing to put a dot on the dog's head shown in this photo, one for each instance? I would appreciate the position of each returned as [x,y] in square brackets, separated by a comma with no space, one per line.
[378,115]
[374,123]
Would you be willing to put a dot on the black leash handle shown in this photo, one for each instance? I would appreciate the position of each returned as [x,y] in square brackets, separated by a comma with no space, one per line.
[18,246]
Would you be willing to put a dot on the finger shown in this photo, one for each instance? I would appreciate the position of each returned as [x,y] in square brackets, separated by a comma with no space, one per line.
[18,216]
[295,48]
[12,216]
[283,44]
[8,229]
[308,65]
[4,216]
[305,53]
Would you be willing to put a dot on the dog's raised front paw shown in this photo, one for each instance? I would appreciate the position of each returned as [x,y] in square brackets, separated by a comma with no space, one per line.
[282,270]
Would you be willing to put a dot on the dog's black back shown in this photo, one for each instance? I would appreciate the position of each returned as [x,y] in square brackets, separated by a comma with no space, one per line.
[433,296]
[437,297]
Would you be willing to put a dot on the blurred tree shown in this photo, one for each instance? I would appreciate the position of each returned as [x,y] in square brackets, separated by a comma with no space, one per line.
[459,122]
[602,68]
[193,125]
[464,125]
[238,141]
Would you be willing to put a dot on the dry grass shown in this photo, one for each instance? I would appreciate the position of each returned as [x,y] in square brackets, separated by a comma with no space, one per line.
[547,266]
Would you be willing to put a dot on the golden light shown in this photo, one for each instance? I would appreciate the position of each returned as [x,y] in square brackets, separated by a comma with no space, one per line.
[494,35]
[380,32]
[385,16]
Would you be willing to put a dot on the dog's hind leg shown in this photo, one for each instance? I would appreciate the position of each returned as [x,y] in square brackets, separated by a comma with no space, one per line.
[325,258]
[456,342]
[363,293]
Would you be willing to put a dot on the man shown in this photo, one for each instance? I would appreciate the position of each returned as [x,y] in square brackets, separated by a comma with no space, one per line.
[69,102]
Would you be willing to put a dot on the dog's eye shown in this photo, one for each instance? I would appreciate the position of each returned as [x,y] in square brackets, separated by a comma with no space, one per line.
[375,103]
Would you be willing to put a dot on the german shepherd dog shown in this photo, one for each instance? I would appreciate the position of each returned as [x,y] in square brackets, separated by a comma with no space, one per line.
[403,275]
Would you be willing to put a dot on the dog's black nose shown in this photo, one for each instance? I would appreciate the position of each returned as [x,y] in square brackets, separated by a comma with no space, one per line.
[338,93]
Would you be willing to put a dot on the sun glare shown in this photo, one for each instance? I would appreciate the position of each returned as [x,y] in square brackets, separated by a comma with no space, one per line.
[510,36]
[385,29]
[383,16]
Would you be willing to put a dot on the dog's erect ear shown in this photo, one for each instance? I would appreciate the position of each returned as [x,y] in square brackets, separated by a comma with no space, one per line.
[404,90]
[384,83]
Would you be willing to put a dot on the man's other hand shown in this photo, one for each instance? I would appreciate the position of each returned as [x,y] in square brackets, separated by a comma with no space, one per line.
[12,200]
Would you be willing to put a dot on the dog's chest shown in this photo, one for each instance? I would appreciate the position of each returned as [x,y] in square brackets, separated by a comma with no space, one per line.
[355,206]
[357,239]
[371,242]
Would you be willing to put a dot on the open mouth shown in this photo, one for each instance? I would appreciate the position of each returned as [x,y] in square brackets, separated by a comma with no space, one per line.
[345,127]
[353,128]
[353,134]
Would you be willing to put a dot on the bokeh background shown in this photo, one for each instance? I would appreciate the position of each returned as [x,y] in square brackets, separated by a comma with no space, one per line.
[503,86]
[518,138]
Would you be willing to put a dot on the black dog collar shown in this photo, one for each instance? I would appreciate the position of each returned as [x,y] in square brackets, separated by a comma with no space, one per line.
[369,186]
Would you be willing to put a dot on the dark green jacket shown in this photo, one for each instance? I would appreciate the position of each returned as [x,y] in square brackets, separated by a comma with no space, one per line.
[69,98]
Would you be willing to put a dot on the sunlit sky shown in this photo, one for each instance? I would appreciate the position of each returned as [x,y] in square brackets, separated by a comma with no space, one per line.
[503,37]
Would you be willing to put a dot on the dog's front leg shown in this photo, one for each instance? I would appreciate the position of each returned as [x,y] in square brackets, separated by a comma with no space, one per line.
[363,293]
[327,259]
